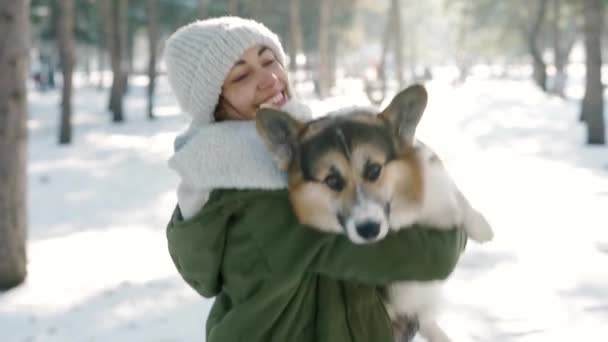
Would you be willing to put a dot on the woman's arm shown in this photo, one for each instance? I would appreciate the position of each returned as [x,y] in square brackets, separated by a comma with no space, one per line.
[197,245]
[416,253]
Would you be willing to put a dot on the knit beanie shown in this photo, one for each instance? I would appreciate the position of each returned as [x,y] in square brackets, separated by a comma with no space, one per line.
[200,55]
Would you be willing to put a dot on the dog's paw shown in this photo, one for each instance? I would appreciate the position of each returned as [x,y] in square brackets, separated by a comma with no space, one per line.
[478,228]
[402,218]
[484,235]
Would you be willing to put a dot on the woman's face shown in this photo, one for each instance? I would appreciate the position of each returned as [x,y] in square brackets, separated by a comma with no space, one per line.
[256,78]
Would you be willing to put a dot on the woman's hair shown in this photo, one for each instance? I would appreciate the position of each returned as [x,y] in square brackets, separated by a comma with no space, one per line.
[219,113]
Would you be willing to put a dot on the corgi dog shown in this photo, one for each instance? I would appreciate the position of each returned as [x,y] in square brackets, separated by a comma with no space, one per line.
[363,174]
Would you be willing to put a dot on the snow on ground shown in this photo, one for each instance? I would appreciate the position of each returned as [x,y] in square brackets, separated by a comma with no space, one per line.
[98,263]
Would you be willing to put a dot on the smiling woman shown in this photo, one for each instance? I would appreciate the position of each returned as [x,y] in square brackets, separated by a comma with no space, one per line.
[233,234]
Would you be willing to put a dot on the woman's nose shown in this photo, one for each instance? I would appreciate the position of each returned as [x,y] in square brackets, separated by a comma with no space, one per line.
[268,79]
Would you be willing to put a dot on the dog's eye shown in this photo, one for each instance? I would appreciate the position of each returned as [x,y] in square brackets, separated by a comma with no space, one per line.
[334,182]
[372,171]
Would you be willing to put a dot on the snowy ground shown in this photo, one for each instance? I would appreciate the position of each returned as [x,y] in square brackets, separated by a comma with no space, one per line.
[98,263]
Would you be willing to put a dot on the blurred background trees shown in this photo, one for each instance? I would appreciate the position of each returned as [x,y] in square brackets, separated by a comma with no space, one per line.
[387,43]
[383,44]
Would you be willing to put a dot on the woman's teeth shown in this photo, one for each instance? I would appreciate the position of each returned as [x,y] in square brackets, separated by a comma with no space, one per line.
[275,99]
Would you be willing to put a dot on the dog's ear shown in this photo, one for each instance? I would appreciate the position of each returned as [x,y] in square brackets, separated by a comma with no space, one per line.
[404,112]
[279,131]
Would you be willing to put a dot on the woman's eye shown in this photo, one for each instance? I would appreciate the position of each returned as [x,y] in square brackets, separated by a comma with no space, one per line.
[334,182]
[372,171]
[268,62]
[240,77]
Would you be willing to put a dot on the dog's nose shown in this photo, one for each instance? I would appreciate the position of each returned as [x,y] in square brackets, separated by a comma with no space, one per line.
[368,230]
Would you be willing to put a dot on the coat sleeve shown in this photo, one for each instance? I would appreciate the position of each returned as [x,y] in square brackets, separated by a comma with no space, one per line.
[196,246]
[417,253]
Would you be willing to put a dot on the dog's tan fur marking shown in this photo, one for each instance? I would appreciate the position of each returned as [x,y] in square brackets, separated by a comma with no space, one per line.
[313,206]
[408,155]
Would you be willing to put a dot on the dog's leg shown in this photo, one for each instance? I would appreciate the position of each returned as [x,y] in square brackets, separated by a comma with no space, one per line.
[432,332]
[475,224]
[405,328]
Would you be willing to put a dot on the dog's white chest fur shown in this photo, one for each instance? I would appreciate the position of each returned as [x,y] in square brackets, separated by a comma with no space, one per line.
[443,206]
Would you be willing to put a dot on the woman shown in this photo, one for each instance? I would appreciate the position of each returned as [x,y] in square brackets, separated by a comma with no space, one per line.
[233,235]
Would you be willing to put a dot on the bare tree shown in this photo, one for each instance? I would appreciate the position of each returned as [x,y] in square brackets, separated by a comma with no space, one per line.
[14,58]
[65,29]
[463,32]
[398,35]
[107,32]
[152,13]
[376,89]
[123,40]
[538,64]
[116,34]
[324,68]
[203,9]
[233,7]
[564,26]
[109,23]
[593,103]
[295,33]
[100,64]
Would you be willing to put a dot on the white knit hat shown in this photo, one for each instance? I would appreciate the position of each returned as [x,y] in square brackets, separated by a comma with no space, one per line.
[200,55]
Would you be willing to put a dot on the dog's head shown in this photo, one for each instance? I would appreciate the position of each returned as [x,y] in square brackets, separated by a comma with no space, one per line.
[343,170]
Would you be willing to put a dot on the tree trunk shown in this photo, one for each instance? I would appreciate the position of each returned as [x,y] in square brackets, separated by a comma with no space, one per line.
[203,9]
[538,64]
[593,102]
[126,45]
[109,20]
[116,17]
[295,32]
[14,58]
[462,54]
[386,45]
[100,65]
[86,63]
[152,10]
[233,7]
[564,37]
[65,31]
[323,77]
[104,45]
[395,4]
[333,58]
[376,89]
[109,30]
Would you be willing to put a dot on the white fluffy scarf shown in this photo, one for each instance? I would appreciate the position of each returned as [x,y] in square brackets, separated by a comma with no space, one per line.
[227,155]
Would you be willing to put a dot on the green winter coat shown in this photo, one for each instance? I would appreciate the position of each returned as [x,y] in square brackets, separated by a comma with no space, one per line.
[277,280]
